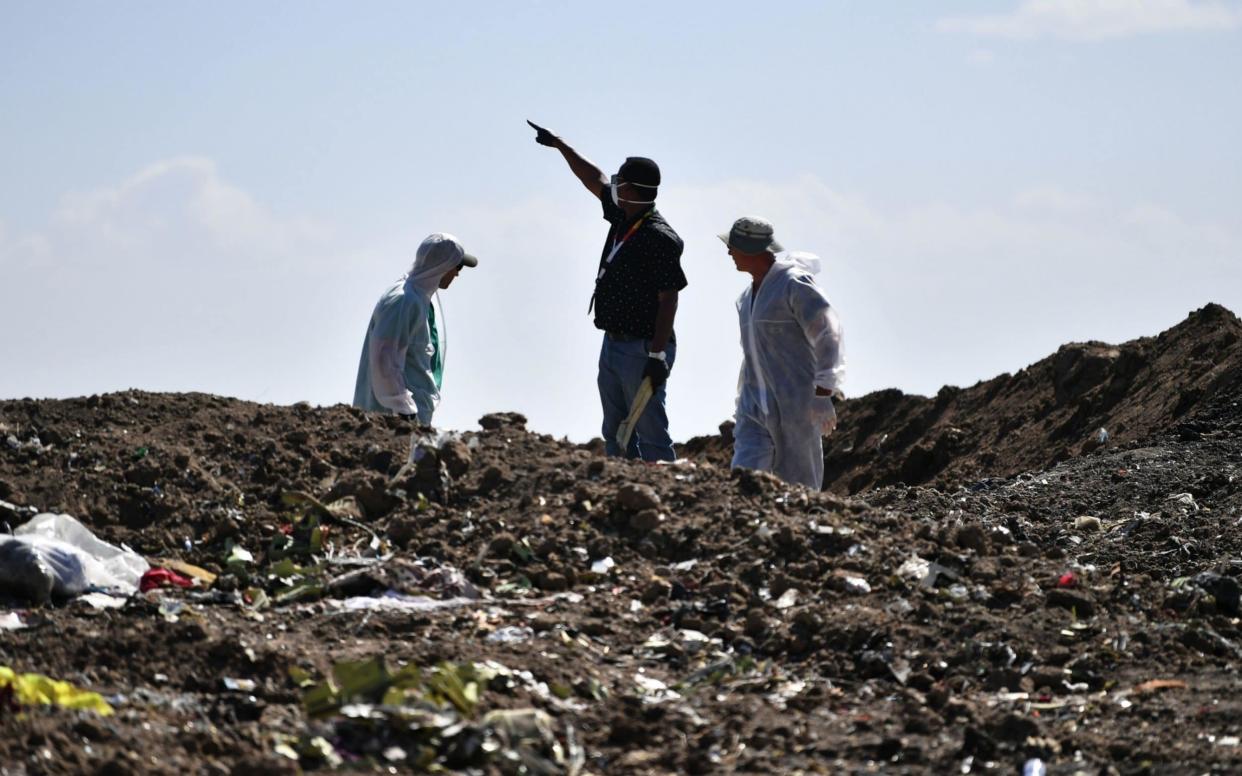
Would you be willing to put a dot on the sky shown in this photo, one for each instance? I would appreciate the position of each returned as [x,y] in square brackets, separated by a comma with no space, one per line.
[212,196]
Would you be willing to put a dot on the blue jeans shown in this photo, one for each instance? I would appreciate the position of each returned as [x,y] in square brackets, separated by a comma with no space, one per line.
[620,374]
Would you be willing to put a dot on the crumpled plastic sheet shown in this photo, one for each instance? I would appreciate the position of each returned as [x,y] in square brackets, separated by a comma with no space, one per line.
[55,555]
[11,621]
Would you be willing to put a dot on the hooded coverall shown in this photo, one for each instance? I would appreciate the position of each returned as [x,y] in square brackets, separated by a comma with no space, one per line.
[402,354]
[791,344]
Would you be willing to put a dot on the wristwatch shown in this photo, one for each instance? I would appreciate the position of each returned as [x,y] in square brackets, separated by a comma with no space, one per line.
[660,356]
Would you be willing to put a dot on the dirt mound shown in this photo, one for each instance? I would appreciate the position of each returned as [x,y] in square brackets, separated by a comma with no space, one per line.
[1047,413]
[510,601]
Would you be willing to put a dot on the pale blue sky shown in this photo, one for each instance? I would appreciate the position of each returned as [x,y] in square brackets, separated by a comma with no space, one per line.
[211,196]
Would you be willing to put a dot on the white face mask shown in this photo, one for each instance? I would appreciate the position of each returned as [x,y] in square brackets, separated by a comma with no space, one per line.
[616,199]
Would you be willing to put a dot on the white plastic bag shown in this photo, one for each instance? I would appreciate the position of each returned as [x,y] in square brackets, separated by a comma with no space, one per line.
[55,555]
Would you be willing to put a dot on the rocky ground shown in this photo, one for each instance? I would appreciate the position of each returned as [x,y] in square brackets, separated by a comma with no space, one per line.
[512,603]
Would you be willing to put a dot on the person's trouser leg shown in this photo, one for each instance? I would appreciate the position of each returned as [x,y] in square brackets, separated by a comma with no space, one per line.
[800,458]
[654,443]
[752,445]
[612,395]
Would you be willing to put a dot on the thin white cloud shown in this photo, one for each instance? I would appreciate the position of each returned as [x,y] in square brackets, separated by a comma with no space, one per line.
[981,57]
[173,279]
[173,209]
[1054,199]
[1088,20]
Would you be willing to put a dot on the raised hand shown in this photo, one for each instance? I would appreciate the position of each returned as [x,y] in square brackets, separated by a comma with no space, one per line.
[543,136]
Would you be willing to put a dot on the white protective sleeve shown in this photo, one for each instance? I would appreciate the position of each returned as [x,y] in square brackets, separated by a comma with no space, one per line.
[387,363]
[823,331]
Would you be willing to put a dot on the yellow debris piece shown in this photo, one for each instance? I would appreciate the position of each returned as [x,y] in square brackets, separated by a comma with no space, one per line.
[37,689]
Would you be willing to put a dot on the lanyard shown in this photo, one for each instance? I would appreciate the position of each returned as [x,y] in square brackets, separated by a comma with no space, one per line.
[616,245]
[612,254]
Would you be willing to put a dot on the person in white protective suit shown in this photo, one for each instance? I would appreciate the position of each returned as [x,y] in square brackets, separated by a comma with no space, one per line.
[402,365]
[792,362]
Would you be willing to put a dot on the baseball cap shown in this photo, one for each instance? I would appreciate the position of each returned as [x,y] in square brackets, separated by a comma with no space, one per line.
[641,171]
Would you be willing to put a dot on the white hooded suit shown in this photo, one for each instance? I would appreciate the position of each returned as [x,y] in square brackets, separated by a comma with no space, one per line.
[791,344]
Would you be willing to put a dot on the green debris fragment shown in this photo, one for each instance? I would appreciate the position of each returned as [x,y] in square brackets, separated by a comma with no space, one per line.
[361,677]
[351,681]
[286,571]
[344,511]
[307,591]
[457,684]
[425,718]
[523,550]
[300,676]
[517,587]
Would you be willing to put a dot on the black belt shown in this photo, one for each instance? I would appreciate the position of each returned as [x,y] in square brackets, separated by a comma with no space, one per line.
[617,336]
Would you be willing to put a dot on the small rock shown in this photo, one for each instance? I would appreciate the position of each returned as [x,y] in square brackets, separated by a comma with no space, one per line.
[492,478]
[1015,727]
[541,623]
[1087,523]
[403,530]
[144,474]
[501,545]
[1082,603]
[370,490]
[595,628]
[1052,678]
[850,582]
[646,521]
[456,456]
[808,620]
[379,459]
[496,420]
[756,623]
[973,537]
[1225,590]
[636,497]
[552,581]
[655,591]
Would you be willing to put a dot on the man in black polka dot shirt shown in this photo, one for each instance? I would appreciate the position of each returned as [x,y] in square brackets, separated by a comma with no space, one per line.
[635,298]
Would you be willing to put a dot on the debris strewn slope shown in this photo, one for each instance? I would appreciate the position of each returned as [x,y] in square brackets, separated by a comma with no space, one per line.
[512,601]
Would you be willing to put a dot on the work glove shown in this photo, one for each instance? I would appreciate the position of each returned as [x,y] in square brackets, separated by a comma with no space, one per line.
[825,409]
[543,136]
[830,422]
[657,370]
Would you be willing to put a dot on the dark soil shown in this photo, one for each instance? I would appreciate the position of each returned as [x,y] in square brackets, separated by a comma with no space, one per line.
[1015,601]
